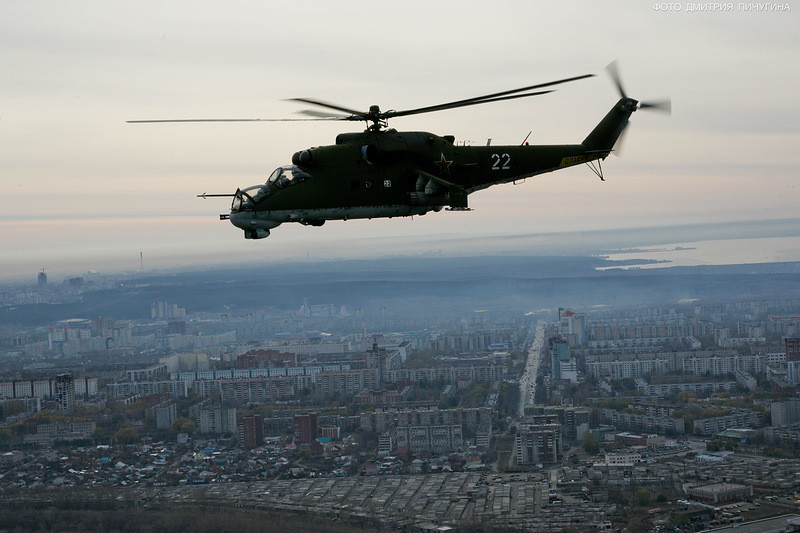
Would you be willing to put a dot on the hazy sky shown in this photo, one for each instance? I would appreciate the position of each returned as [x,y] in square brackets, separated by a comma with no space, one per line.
[83,190]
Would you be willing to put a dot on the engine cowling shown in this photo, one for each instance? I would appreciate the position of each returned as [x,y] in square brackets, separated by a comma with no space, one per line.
[304,158]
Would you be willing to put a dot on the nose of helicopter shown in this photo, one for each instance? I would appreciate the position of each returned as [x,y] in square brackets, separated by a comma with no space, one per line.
[248,221]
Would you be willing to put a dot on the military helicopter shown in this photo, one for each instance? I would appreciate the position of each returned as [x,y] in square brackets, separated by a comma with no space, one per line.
[382,172]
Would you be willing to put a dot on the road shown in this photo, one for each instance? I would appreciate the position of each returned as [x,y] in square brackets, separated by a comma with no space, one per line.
[527,383]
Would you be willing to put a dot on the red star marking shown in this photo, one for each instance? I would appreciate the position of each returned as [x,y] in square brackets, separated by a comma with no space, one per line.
[444,165]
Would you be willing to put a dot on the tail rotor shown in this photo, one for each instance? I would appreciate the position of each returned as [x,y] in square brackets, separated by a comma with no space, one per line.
[663,105]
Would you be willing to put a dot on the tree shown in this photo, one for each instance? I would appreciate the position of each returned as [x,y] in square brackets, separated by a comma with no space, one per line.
[183,425]
[12,407]
[540,396]
[591,444]
[5,436]
[183,404]
[126,436]
[477,393]
[638,521]
[189,427]
[684,397]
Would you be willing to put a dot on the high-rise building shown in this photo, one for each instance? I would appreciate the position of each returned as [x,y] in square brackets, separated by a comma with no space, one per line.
[166,311]
[572,327]
[436,439]
[792,348]
[538,444]
[165,414]
[305,428]
[376,359]
[217,420]
[42,278]
[251,431]
[183,362]
[559,353]
[793,359]
[64,392]
[785,413]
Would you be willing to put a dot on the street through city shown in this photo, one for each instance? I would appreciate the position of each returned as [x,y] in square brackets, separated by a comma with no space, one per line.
[527,383]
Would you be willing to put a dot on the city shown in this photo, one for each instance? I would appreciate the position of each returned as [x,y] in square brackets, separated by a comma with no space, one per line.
[470,318]
[336,405]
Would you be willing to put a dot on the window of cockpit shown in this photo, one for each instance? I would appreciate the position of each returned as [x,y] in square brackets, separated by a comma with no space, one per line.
[299,175]
[275,176]
[285,177]
[236,205]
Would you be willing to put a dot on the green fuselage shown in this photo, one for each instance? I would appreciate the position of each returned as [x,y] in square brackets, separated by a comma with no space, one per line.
[386,173]
[405,163]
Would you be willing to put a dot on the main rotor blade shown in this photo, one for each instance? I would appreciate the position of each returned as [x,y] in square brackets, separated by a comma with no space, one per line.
[227,120]
[494,97]
[375,115]
[330,106]
[323,114]
[453,105]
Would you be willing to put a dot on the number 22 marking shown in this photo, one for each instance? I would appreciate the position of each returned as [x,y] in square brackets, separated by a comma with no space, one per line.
[501,162]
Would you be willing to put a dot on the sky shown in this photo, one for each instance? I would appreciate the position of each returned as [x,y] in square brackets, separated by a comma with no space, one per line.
[82,190]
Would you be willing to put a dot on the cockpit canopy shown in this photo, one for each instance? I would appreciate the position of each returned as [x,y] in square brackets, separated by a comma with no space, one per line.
[281,178]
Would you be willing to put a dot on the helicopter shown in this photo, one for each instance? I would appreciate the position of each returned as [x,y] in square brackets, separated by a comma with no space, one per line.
[381,172]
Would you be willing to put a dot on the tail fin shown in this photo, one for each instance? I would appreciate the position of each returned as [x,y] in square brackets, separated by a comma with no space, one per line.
[605,134]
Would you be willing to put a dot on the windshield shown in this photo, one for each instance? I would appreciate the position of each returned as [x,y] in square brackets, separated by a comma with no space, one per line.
[281,178]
